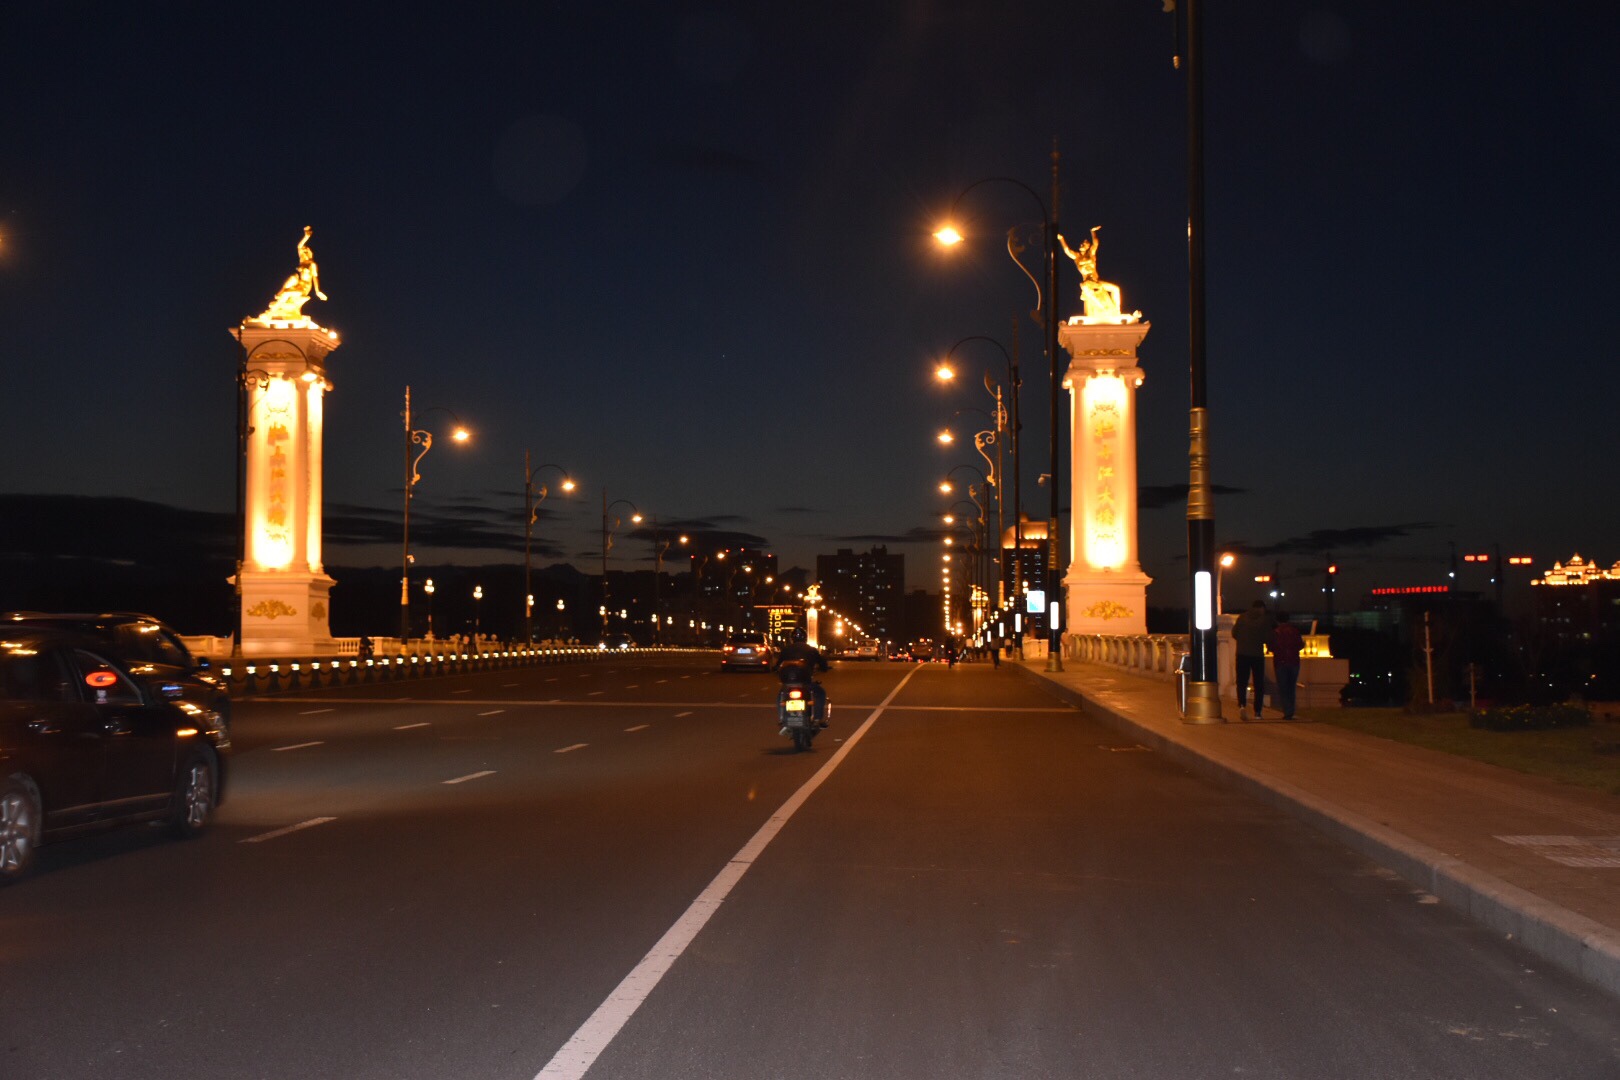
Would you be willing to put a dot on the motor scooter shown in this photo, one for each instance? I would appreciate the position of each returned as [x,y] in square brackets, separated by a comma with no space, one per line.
[796,713]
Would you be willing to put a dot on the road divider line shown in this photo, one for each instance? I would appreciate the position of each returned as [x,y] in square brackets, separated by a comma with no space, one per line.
[681,714]
[299,746]
[639,727]
[262,837]
[315,712]
[593,693]
[407,727]
[507,685]
[580,1052]
[470,776]
[466,691]
[492,712]
[571,749]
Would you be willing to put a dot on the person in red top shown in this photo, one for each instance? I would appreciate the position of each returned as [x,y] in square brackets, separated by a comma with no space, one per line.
[1286,643]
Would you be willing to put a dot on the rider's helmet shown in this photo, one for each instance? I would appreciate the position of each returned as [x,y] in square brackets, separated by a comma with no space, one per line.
[799,636]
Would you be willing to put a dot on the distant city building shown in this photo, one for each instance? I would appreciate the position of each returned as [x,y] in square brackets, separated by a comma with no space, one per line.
[867,586]
[1577,572]
[1028,563]
[1577,625]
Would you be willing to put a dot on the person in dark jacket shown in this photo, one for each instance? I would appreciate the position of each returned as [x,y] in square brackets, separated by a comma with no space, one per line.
[1250,633]
[798,663]
[1286,643]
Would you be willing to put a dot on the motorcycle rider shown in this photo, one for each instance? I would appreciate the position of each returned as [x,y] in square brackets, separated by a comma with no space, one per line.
[797,665]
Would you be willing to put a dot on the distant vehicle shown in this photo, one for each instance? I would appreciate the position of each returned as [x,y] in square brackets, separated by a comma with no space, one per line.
[922,650]
[614,643]
[88,742]
[747,650]
[868,651]
[146,644]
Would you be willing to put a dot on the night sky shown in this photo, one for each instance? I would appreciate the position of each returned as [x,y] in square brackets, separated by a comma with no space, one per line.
[683,250]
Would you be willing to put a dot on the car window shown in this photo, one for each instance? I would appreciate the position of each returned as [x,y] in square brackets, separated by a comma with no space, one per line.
[34,676]
[103,683]
[148,643]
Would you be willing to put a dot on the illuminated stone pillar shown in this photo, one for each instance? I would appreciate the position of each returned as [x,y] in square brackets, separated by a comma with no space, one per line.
[1107,590]
[285,589]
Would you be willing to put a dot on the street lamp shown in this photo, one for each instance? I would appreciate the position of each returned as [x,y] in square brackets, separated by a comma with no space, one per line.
[423,438]
[946,373]
[427,587]
[1046,303]
[533,496]
[607,544]
[478,614]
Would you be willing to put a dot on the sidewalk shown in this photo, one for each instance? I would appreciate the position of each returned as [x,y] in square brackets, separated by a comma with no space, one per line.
[1536,860]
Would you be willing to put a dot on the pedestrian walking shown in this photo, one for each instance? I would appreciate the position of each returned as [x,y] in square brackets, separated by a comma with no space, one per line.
[1250,633]
[1286,644]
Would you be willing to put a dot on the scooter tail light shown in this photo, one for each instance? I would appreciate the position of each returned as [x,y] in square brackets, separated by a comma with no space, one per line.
[795,695]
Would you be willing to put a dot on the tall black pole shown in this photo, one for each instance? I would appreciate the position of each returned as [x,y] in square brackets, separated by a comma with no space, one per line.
[1054,542]
[241,486]
[1203,690]
[528,530]
[1016,380]
[405,561]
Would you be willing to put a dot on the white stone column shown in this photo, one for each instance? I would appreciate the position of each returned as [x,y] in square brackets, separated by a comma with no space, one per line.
[1107,590]
[285,588]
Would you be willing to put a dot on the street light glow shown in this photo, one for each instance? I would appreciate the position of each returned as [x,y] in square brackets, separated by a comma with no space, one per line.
[461,434]
[947,235]
[944,373]
[946,437]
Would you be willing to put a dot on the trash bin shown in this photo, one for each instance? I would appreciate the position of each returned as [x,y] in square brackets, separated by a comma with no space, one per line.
[1183,664]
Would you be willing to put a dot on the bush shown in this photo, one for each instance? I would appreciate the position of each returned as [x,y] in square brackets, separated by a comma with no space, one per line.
[1530,717]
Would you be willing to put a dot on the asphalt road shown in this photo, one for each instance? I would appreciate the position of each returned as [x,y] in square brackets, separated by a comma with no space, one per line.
[620,870]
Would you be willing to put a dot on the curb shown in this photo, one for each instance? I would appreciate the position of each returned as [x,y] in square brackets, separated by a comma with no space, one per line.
[1579,945]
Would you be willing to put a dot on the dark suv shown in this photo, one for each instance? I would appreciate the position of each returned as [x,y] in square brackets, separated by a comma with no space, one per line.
[88,742]
[148,645]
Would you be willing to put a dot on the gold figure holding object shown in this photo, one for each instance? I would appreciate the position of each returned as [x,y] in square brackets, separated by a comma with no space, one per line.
[288,304]
[1101,298]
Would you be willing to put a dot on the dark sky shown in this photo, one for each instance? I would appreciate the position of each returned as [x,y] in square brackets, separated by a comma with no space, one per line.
[683,250]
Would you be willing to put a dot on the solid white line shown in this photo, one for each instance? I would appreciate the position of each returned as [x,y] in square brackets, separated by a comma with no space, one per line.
[639,727]
[633,686]
[469,776]
[593,693]
[298,746]
[289,829]
[576,746]
[681,714]
[407,727]
[315,712]
[492,712]
[580,1052]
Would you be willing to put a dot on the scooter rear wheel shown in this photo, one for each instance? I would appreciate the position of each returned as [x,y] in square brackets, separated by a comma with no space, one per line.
[801,738]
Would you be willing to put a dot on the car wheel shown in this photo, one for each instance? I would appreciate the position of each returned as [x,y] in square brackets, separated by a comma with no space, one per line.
[192,807]
[20,817]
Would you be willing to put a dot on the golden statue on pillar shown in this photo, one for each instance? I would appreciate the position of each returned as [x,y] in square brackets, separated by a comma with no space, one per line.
[288,304]
[1101,298]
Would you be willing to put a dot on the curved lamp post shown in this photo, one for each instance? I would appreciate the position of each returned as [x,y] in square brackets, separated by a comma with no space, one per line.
[993,478]
[533,495]
[1047,305]
[946,373]
[423,438]
[607,544]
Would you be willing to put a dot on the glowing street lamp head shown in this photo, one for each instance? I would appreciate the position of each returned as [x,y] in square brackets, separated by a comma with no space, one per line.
[947,235]
[635,519]
[944,373]
[950,519]
[461,434]
[1227,560]
[945,486]
[567,484]
[946,437]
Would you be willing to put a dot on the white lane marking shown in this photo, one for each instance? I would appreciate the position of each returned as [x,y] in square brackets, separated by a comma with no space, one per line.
[639,727]
[469,776]
[315,712]
[492,712]
[657,681]
[407,727]
[681,714]
[466,691]
[580,1052]
[299,746]
[262,837]
[570,749]
[551,680]
[633,686]
[507,685]
[754,703]
[593,693]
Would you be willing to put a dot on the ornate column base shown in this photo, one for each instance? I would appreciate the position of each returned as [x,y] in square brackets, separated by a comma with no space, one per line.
[285,613]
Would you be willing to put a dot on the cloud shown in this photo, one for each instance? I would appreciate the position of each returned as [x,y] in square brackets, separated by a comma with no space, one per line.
[917,534]
[1158,496]
[1325,541]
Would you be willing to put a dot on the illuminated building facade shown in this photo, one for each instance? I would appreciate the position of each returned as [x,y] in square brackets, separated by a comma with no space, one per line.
[867,585]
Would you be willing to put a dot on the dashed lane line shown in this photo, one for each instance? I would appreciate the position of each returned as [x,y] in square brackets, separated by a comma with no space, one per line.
[262,837]
[492,712]
[407,727]
[639,727]
[315,712]
[299,746]
[470,776]
[571,749]
[681,714]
